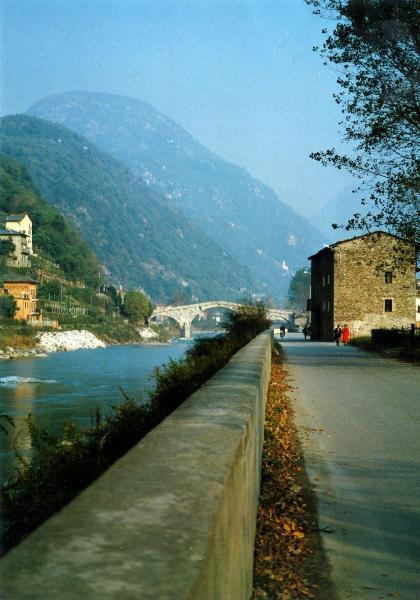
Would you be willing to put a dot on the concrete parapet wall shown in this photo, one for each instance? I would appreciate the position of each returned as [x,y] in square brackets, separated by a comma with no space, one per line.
[172,519]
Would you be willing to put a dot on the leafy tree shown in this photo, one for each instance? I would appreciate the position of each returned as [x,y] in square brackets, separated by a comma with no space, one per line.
[247,321]
[8,307]
[50,289]
[299,289]
[376,45]
[6,248]
[115,295]
[137,306]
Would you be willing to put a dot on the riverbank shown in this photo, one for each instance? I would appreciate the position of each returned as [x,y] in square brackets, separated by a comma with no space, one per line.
[22,341]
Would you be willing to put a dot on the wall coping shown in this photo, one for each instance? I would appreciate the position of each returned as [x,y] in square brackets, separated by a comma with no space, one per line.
[172,519]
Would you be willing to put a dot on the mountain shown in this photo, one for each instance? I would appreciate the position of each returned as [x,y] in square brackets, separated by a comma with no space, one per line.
[53,237]
[338,210]
[140,238]
[240,213]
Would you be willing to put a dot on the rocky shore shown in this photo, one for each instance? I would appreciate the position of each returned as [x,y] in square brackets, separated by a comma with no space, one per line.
[63,341]
[10,352]
[68,340]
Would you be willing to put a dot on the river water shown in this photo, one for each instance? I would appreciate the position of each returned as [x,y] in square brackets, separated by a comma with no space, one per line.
[68,386]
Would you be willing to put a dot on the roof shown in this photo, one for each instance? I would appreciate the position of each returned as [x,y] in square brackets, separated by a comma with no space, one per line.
[331,247]
[12,278]
[12,232]
[16,217]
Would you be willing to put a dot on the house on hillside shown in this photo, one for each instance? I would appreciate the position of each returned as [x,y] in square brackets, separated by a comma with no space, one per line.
[23,224]
[24,290]
[18,229]
[355,281]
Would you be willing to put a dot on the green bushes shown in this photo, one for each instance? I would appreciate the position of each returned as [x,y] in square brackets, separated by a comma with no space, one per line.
[17,334]
[62,467]
[8,307]
[179,379]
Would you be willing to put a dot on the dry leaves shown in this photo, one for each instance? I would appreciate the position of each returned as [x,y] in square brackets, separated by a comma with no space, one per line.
[282,548]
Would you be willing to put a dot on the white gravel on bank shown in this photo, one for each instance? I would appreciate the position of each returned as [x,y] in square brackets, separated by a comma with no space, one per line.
[147,333]
[68,340]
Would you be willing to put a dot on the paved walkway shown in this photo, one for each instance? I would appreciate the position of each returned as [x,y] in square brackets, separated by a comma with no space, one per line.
[358,416]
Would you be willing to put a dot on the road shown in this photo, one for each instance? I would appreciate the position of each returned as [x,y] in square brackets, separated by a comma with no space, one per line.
[358,416]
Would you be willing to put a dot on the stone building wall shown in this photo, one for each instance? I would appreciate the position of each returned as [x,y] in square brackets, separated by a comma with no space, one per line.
[20,256]
[360,287]
[322,277]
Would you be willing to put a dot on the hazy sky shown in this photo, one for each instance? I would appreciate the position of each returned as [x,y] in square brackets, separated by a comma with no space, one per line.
[239,75]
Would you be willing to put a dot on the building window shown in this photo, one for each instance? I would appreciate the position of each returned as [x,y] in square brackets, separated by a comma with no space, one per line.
[388,277]
[388,305]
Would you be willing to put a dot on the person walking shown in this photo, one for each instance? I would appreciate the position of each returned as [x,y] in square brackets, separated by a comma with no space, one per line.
[345,334]
[337,334]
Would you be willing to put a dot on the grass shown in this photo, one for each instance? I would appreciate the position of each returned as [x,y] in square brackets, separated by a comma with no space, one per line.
[17,335]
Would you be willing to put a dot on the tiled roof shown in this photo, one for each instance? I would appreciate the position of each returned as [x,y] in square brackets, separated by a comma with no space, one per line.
[335,244]
[16,217]
[11,278]
[12,232]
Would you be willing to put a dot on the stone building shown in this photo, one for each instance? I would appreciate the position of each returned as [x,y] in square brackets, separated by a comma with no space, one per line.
[357,282]
[24,291]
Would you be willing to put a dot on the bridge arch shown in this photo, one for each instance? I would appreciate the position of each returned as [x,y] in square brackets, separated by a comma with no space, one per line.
[185,314]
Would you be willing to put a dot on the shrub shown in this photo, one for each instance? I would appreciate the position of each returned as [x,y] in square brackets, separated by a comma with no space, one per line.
[8,307]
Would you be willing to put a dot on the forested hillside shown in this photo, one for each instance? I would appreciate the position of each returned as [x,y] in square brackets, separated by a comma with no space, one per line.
[53,237]
[138,236]
[239,212]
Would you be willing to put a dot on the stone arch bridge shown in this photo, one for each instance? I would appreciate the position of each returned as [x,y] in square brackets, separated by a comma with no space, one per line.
[184,315]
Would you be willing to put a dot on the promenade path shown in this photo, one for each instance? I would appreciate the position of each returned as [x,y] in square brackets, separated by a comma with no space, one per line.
[358,416]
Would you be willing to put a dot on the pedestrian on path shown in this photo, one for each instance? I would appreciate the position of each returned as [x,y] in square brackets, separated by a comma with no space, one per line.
[345,334]
[337,334]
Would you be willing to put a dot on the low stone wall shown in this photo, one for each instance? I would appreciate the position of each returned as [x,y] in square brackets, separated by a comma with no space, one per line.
[172,519]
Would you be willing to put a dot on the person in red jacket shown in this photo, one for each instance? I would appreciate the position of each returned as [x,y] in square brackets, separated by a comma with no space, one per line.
[345,334]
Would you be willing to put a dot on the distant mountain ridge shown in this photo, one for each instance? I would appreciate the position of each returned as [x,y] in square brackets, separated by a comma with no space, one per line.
[338,211]
[240,213]
[140,238]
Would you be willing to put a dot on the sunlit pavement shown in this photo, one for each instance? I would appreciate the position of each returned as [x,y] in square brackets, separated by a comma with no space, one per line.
[358,416]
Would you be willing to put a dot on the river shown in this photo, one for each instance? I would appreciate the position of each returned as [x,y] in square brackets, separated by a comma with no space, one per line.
[68,386]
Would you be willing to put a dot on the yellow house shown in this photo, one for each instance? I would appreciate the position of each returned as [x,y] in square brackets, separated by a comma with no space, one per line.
[24,291]
[23,224]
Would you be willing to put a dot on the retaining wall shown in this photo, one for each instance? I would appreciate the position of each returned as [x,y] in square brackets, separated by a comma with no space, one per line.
[172,519]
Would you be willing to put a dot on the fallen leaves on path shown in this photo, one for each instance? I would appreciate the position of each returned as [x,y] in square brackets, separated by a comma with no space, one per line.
[284,548]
